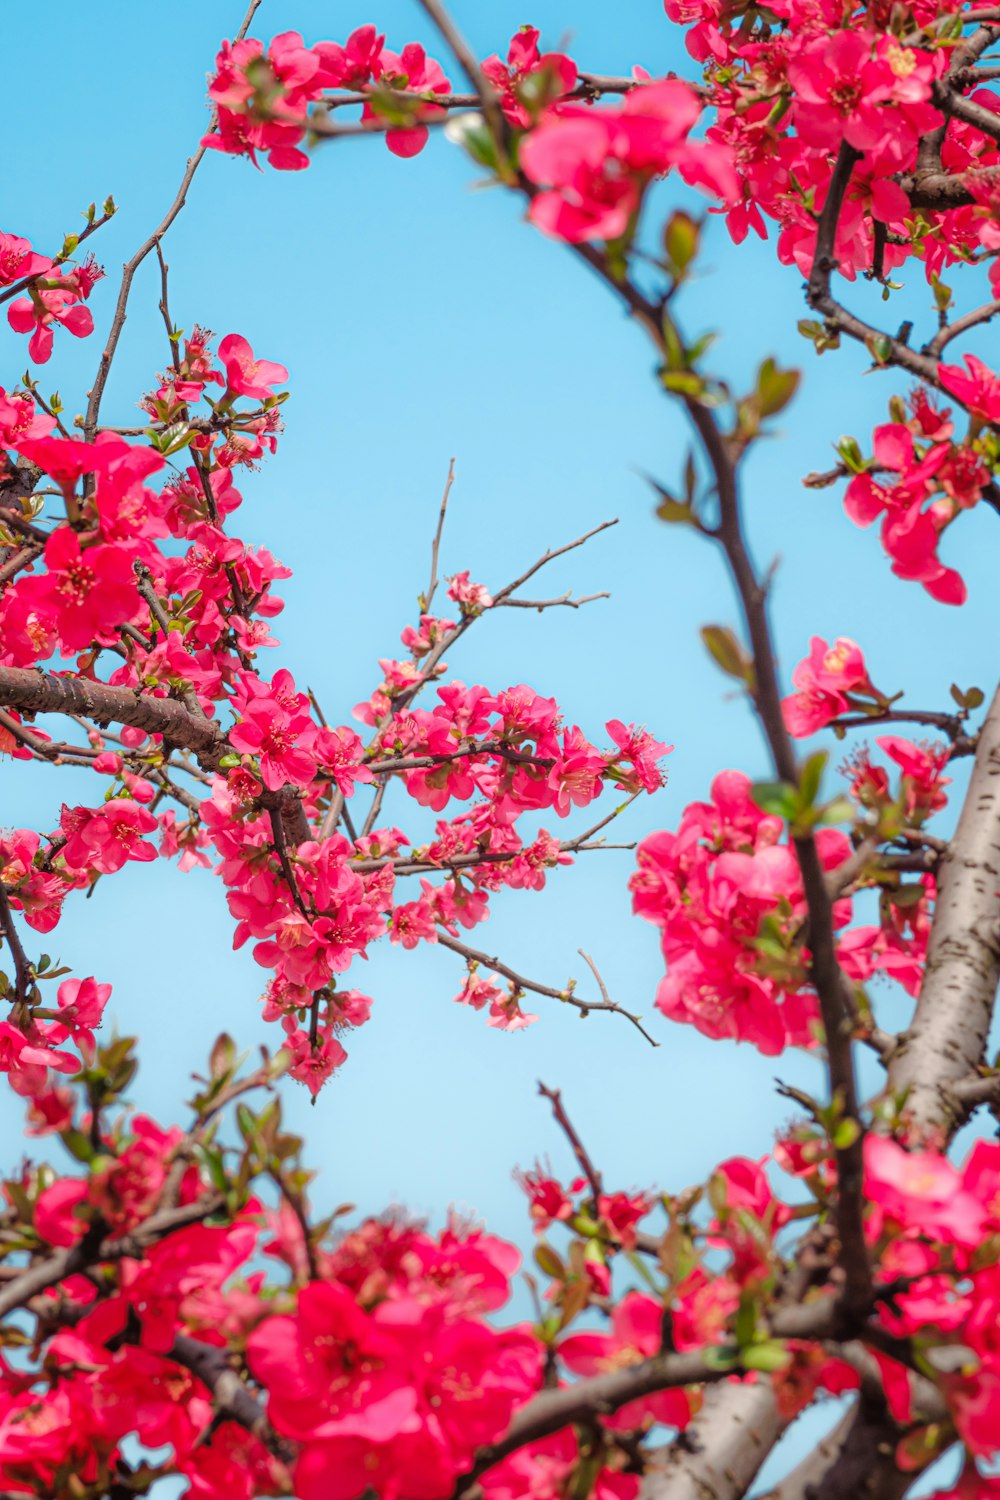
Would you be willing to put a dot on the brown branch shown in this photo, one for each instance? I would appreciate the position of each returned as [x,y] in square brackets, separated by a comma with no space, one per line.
[499,599]
[404,699]
[281,849]
[14,519]
[962,325]
[131,266]
[22,967]
[425,603]
[586,1399]
[232,1398]
[19,560]
[567,995]
[719,1454]
[38,692]
[819,295]
[562,1119]
[540,604]
[856,1461]
[949,724]
[485,92]
[55,1268]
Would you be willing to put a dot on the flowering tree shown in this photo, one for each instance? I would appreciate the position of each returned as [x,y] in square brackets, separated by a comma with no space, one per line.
[170,1304]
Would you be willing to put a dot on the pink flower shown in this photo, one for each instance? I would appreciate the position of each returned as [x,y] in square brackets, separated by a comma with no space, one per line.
[978,390]
[551,75]
[548,1202]
[57,301]
[412,69]
[473,597]
[921,1191]
[85,592]
[594,164]
[18,260]
[922,765]
[281,742]
[823,680]
[331,1371]
[637,1335]
[642,752]
[575,779]
[103,840]
[246,376]
[843,92]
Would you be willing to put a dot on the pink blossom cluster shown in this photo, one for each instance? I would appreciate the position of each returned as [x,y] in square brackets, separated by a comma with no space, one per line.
[377,1355]
[263,97]
[152,594]
[593,164]
[54,294]
[828,682]
[727,895]
[919,480]
[825,75]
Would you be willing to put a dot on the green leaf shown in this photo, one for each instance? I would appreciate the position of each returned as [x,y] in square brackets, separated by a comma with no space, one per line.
[810,777]
[769,1356]
[683,382]
[845,1134]
[822,337]
[727,653]
[549,1262]
[775,388]
[681,237]
[777,798]
[840,810]
[222,1057]
[724,1358]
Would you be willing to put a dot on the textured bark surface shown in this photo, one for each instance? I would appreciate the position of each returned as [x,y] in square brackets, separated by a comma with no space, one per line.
[34,691]
[739,1425]
[720,1454]
[946,1038]
[856,1461]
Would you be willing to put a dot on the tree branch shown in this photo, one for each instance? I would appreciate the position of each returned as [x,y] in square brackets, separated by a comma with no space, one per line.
[567,996]
[131,266]
[945,1041]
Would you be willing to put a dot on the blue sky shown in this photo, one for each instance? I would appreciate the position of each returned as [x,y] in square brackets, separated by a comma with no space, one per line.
[419,319]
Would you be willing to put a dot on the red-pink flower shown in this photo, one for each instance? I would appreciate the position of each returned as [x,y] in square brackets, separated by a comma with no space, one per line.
[281,742]
[637,1335]
[823,679]
[594,164]
[245,375]
[977,387]
[103,839]
[922,1192]
[331,1371]
[551,74]
[18,260]
[57,301]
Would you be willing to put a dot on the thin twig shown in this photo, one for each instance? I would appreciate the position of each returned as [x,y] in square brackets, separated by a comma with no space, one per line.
[485,92]
[567,995]
[593,1176]
[436,544]
[131,266]
[22,967]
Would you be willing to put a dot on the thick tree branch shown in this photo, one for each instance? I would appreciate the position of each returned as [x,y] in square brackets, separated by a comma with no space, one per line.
[944,1043]
[36,692]
[55,1268]
[719,1455]
[856,1461]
